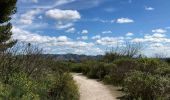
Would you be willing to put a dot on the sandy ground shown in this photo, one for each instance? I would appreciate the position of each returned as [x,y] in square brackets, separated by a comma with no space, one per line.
[91,89]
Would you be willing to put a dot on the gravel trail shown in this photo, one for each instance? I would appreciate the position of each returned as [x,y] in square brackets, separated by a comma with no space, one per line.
[91,89]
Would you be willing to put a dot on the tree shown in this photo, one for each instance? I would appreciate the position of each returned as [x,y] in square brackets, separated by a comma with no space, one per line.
[7,8]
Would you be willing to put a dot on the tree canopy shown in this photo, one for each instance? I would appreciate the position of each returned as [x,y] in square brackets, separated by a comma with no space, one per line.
[7,8]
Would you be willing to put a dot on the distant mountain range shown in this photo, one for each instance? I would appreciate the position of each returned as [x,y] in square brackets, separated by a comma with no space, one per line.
[72,57]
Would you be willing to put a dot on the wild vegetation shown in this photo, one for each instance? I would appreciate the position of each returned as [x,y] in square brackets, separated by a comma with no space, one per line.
[25,73]
[141,78]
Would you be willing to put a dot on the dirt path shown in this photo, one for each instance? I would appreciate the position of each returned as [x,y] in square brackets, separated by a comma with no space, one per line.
[93,90]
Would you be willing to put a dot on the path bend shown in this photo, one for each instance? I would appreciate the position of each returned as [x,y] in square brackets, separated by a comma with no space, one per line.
[91,89]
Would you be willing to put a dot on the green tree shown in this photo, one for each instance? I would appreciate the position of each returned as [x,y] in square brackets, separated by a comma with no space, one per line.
[7,8]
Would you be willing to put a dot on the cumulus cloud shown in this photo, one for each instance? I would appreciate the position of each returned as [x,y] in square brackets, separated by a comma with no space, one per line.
[110,41]
[28,17]
[56,44]
[30,1]
[124,20]
[27,36]
[160,49]
[149,8]
[159,30]
[96,37]
[154,38]
[71,30]
[107,32]
[158,35]
[83,38]
[65,18]
[59,14]
[155,43]
[103,20]
[61,25]
[129,34]
[84,31]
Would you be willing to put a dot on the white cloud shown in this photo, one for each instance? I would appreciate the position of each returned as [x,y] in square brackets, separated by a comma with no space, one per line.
[149,8]
[159,30]
[83,38]
[60,25]
[96,37]
[29,1]
[59,14]
[124,20]
[84,31]
[29,16]
[110,41]
[23,35]
[60,44]
[107,32]
[129,34]
[157,48]
[61,2]
[155,43]
[154,38]
[71,30]
[102,20]
[158,35]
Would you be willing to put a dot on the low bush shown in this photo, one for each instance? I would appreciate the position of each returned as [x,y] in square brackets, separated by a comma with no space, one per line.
[64,89]
[123,66]
[87,65]
[20,87]
[97,70]
[29,75]
[153,66]
[76,67]
[145,86]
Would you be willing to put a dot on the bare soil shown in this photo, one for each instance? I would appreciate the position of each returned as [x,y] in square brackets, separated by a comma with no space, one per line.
[91,89]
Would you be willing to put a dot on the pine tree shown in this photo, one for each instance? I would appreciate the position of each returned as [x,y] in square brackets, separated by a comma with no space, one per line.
[7,8]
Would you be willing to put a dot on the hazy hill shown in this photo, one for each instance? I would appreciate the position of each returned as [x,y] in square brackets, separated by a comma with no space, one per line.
[73,57]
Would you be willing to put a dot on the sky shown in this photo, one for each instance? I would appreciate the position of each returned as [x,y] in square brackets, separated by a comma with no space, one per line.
[93,26]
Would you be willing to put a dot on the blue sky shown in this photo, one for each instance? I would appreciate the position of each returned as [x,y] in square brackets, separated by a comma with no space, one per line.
[92,26]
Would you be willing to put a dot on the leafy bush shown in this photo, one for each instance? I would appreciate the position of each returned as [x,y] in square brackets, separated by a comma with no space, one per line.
[97,70]
[86,66]
[64,89]
[76,67]
[123,66]
[29,75]
[145,86]
[153,66]
[19,87]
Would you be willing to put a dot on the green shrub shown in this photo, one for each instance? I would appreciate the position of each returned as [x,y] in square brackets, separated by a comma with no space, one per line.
[87,65]
[98,70]
[85,68]
[153,66]
[20,87]
[64,89]
[76,67]
[139,85]
[123,66]
[52,87]
[5,91]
